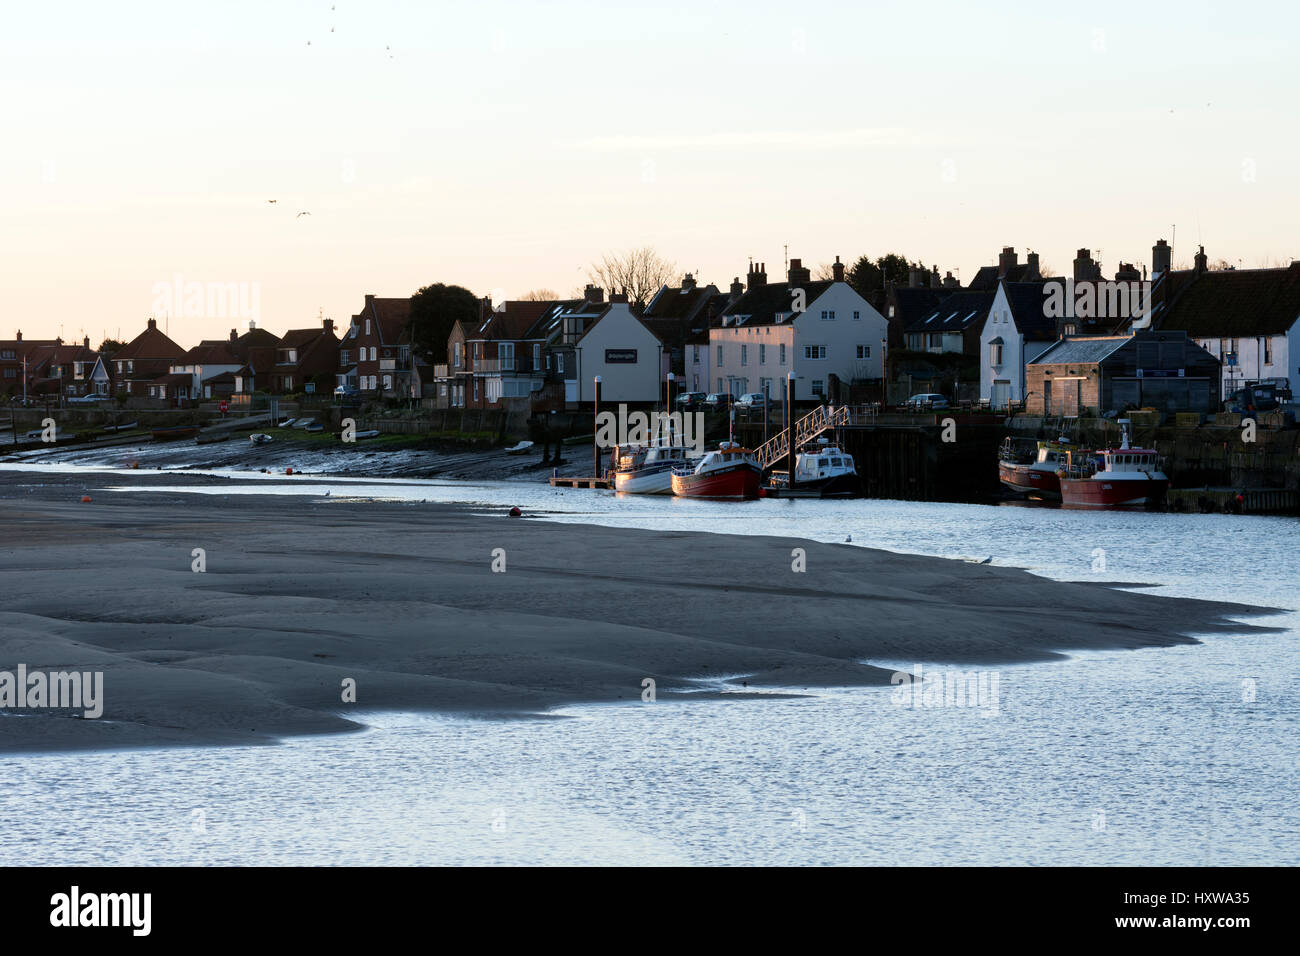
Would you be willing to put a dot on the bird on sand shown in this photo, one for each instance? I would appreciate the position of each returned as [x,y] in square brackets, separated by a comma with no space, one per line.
[848,539]
[988,560]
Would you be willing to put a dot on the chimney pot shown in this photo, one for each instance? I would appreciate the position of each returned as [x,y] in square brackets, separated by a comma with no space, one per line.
[1161,257]
[837,270]
[153,323]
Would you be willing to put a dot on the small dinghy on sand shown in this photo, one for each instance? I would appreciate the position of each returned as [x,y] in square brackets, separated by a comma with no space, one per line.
[259,439]
[521,449]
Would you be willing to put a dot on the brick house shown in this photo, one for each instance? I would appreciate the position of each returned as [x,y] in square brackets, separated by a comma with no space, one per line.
[15,368]
[307,360]
[375,354]
[142,361]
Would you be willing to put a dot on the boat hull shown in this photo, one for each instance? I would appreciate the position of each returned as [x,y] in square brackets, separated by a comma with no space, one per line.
[1030,481]
[645,481]
[1113,492]
[836,486]
[739,481]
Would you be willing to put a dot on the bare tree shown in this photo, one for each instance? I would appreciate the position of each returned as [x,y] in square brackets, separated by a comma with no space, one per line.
[824,272]
[539,295]
[637,272]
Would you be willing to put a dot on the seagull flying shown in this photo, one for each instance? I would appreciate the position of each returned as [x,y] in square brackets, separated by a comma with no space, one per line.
[273,201]
[301,214]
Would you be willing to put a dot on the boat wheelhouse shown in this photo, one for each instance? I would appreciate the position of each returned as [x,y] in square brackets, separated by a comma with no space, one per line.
[822,470]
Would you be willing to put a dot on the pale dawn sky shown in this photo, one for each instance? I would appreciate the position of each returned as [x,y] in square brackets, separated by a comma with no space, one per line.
[504,146]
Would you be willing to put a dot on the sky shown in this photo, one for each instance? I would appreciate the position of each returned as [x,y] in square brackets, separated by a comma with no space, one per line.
[505,146]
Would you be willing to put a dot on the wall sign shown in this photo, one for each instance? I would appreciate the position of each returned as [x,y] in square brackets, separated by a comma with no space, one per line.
[620,356]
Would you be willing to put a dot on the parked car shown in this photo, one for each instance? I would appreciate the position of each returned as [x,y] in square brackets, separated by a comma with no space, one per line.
[690,401]
[752,401]
[926,401]
[1253,398]
[718,400]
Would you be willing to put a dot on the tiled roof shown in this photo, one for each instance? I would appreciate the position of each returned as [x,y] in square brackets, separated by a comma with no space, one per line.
[152,343]
[513,321]
[211,352]
[1233,302]
[1028,302]
[761,305]
[390,315]
[672,302]
[915,302]
[1082,350]
[957,312]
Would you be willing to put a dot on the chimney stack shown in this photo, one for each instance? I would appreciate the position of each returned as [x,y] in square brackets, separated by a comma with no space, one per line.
[329,325]
[1161,258]
[1007,261]
[1084,267]
[798,274]
[85,342]
[1202,261]
[1127,272]
[688,282]
[935,281]
[757,277]
[234,336]
[737,287]
[1031,270]
[950,281]
[618,297]
[594,294]
[837,270]
[913,278]
[19,333]
[153,323]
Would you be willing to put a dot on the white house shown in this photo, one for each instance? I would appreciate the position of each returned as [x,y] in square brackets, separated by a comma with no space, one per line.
[1247,318]
[1016,331]
[817,330]
[629,358]
[206,360]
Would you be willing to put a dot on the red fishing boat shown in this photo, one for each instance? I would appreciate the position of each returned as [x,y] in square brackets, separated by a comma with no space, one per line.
[1033,473]
[730,472]
[1123,477]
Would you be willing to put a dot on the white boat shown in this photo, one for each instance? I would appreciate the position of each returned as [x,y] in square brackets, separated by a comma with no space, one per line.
[304,423]
[822,470]
[259,439]
[369,433]
[647,469]
[521,449]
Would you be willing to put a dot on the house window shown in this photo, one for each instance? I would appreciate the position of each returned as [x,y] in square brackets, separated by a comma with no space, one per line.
[537,355]
[455,351]
[559,362]
[345,357]
[696,355]
[782,362]
[813,352]
[388,382]
[857,316]
[864,351]
[744,355]
[819,388]
[718,348]
[1070,329]
[936,340]
[506,353]
[1268,350]
[762,354]
[722,386]
[367,326]
[373,356]
[995,355]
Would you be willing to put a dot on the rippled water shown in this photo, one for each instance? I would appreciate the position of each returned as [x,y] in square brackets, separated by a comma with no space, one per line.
[1177,755]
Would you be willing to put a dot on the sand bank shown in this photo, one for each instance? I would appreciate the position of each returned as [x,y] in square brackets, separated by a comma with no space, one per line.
[301,595]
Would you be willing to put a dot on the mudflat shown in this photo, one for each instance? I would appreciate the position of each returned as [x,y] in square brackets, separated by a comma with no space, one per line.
[302,599]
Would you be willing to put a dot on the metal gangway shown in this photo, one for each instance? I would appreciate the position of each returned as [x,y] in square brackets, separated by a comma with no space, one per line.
[820,419]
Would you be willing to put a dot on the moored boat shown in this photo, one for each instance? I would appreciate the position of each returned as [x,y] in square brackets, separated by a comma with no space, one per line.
[175,433]
[1123,477]
[647,469]
[729,472]
[1035,474]
[821,470]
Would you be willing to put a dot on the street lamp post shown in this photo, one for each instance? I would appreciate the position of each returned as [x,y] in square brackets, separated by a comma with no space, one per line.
[595,438]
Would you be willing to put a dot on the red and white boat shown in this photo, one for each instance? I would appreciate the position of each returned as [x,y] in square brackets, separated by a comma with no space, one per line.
[1038,477]
[1123,477]
[730,472]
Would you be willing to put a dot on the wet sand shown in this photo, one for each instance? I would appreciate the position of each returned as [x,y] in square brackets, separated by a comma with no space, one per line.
[300,595]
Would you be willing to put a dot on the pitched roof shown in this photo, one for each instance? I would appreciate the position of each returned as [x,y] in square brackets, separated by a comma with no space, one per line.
[211,352]
[1082,350]
[957,312]
[297,338]
[152,343]
[1028,302]
[987,277]
[915,302]
[390,315]
[761,305]
[513,320]
[674,302]
[1233,302]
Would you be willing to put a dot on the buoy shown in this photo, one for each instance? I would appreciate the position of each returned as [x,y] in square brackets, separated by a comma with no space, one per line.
[515,513]
[288,471]
[85,499]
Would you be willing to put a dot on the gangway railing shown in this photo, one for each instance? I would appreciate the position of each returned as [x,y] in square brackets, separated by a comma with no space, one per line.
[820,419]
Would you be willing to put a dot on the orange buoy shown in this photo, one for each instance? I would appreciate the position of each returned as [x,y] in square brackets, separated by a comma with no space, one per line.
[85,499]
[288,471]
[515,512]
